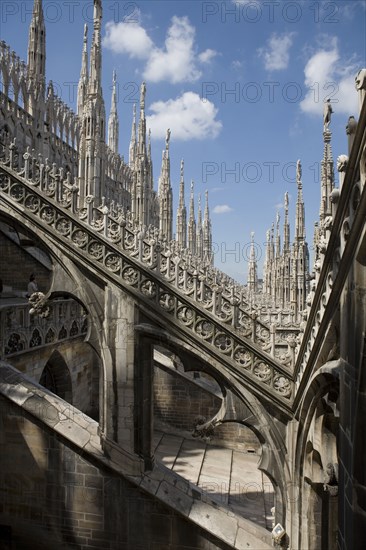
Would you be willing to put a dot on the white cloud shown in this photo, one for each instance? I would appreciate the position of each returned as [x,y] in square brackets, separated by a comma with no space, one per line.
[327,75]
[222,209]
[187,116]
[178,61]
[207,55]
[129,38]
[276,55]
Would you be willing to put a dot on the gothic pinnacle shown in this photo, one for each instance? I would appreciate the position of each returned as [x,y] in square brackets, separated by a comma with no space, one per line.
[132,151]
[113,123]
[37,43]
[181,185]
[149,144]
[96,50]
[181,231]
[207,212]
[142,97]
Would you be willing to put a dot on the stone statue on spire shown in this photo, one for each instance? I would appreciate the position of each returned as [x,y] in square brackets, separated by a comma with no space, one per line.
[142,96]
[327,114]
[167,138]
[298,171]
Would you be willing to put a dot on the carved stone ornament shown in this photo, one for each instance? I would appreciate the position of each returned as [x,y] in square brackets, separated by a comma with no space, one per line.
[39,304]
[331,479]
[342,162]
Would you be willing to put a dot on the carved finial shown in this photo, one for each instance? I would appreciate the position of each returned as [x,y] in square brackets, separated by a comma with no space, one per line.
[252,237]
[181,169]
[286,201]
[85,32]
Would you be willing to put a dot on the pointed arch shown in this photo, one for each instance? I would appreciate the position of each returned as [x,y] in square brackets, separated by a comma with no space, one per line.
[56,377]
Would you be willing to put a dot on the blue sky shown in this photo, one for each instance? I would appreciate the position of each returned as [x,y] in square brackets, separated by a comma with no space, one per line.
[240,84]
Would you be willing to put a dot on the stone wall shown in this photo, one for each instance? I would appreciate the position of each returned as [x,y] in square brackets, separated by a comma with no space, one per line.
[179,399]
[54,497]
[236,436]
[82,363]
[16,266]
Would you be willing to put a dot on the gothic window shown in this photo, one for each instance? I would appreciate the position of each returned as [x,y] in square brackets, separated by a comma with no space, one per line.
[62,334]
[74,329]
[36,339]
[15,343]
[50,336]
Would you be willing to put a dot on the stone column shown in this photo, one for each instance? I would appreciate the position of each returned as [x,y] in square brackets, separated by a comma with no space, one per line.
[118,351]
[144,409]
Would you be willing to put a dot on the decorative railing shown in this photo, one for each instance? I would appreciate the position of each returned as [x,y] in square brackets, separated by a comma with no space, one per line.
[172,281]
[21,331]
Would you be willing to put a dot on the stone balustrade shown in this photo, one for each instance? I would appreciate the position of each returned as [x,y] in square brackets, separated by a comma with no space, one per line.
[199,297]
[22,331]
